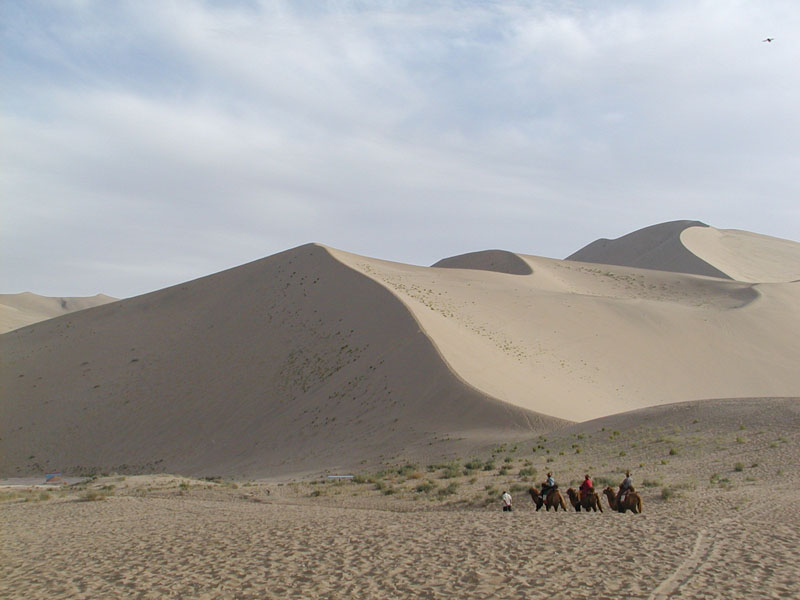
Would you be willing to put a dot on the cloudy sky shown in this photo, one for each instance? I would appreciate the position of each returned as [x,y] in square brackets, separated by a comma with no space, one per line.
[148,143]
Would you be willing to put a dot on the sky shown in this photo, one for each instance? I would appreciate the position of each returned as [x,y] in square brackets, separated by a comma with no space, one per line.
[148,143]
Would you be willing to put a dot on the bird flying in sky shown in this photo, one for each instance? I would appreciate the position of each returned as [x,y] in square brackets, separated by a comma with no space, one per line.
[768,40]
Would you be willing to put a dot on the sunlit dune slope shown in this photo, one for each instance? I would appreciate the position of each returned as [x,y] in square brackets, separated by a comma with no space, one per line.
[18,310]
[745,256]
[580,341]
[291,363]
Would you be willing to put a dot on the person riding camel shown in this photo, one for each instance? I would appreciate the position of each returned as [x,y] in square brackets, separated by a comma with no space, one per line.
[548,485]
[587,487]
[624,487]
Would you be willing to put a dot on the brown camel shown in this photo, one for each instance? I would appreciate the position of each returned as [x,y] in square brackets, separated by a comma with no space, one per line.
[632,502]
[554,499]
[589,502]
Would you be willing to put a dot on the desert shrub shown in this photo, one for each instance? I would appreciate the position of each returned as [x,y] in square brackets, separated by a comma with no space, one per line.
[425,487]
[670,492]
[44,496]
[738,467]
[451,471]
[380,484]
[388,491]
[449,490]
[622,453]
[360,479]
[406,469]
[95,495]
[316,493]
[519,487]
[474,465]
[672,452]
[740,440]
[415,475]
[604,482]
[527,472]
[650,483]
[507,459]
[489,466]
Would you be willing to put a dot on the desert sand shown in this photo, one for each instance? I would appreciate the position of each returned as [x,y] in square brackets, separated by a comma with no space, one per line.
[719,520]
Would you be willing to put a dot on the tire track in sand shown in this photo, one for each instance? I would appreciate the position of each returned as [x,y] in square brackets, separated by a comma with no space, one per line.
[704,548]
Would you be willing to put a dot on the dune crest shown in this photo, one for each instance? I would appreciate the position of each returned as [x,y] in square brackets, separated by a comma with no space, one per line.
[745,256]
[499,261]
[18,310]
[656,247]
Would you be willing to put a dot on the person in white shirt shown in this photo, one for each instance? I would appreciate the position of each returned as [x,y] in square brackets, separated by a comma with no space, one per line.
[506,502]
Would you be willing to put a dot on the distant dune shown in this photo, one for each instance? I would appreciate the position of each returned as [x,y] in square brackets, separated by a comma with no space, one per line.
[656,247]
[317,359]
[694,247]
[18,310]
[500,261]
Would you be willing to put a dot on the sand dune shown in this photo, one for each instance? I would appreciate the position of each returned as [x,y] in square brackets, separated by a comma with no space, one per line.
[745,256]
[579,341]
[318,359]
[287,364]
[18,310]
[655,247]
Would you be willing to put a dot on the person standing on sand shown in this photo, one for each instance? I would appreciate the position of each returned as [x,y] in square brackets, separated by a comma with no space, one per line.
[506,502]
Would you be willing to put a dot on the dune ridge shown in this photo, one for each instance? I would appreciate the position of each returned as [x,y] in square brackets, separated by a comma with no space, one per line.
[656,247]
[291,363]
[18,310]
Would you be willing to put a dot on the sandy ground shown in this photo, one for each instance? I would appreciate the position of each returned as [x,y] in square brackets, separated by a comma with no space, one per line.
[720,520]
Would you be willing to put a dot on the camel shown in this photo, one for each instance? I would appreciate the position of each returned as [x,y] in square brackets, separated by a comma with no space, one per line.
[631,502]
[588,502]
[554,499]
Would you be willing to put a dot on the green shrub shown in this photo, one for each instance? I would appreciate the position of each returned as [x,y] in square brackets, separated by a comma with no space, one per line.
[738,467]
[527,472]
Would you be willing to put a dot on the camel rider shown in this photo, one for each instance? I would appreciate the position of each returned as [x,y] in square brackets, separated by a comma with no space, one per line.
[547,486]
[587,487]
[625,487]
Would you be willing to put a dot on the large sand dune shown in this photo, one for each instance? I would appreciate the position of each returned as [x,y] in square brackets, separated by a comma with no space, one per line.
[294,362]
[18,310]
[318,359]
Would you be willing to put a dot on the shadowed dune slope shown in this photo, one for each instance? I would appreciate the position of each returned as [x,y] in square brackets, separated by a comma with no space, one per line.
[500,261]
[288,364]
[580,341]
[655,247]
[18,310]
